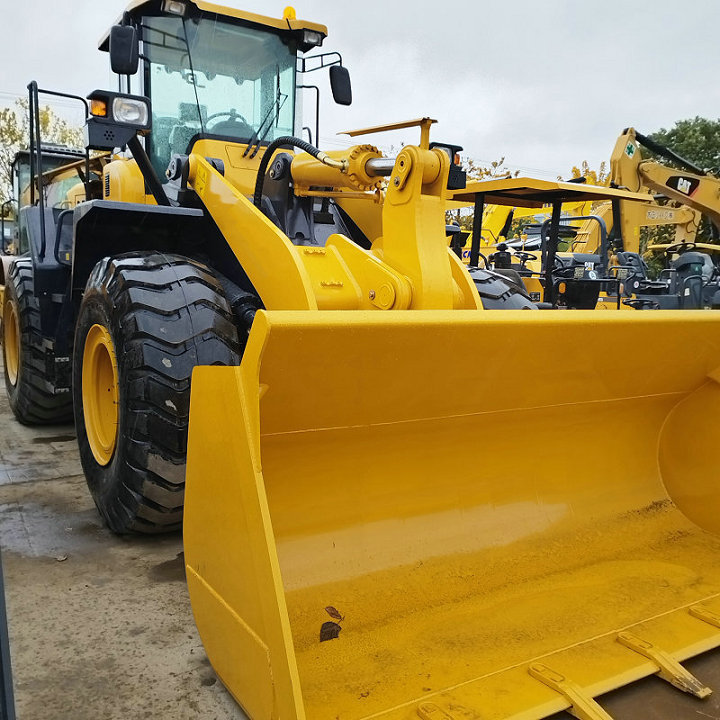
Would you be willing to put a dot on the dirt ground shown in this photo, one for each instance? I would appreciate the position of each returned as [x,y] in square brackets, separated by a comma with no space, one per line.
[101,626]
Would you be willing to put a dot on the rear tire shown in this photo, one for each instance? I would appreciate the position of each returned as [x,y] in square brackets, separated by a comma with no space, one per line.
[498,292]
[155,317]
[31,392]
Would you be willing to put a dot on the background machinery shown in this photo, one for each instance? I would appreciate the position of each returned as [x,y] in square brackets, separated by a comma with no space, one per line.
[691,278]
[603,262]
[568,279]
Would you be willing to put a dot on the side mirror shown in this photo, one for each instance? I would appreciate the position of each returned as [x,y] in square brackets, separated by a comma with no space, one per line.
[340,85]
[123,49]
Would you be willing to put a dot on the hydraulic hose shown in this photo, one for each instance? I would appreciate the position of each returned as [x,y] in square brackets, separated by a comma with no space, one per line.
[295,142]
[669,154]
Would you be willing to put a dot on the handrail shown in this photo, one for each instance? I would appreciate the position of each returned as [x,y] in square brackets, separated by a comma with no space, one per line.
[36,163]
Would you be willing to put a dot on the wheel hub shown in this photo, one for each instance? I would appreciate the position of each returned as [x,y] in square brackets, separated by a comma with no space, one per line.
[11,341]
[100,393]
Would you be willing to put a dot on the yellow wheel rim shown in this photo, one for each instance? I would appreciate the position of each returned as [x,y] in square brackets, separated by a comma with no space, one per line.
[100,393]
[11,340]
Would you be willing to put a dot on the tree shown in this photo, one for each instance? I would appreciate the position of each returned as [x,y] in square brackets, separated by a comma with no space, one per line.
[495,169]
[697,140]
[601,176]
[15,135]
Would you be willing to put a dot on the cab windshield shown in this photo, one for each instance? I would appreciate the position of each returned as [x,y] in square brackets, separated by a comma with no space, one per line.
[207,76]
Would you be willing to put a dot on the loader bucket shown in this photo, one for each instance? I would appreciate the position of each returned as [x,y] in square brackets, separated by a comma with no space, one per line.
[405,514]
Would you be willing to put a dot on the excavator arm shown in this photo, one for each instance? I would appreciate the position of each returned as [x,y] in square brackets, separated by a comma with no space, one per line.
[633,216]
[691,186]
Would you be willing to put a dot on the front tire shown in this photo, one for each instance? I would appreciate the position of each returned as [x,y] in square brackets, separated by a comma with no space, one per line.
[145,321]
[30,387]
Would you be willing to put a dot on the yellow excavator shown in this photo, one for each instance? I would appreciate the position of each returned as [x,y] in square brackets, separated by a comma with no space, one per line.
[691,278]
[690,185]
[628,169]
[349,553]
[633,217]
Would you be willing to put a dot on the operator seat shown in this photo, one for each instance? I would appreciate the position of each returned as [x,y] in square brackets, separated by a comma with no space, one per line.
[232,128]
[633,261]
[502,264]
[695,263]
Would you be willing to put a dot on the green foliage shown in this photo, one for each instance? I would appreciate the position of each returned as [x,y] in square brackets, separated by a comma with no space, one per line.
[518,225]
[656,261]
[15,135]
[697,140]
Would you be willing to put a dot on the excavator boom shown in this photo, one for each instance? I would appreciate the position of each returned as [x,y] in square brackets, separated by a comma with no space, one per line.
[694,188]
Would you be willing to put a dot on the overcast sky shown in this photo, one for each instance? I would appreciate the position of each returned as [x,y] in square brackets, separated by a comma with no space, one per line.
[544,83]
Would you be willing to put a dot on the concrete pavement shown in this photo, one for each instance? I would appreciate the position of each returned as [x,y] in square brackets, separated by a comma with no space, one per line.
[100,626]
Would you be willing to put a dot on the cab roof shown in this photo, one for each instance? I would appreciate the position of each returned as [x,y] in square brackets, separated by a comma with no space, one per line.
[136,7]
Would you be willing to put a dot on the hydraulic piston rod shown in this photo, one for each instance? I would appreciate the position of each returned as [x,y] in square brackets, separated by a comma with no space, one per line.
[379,167]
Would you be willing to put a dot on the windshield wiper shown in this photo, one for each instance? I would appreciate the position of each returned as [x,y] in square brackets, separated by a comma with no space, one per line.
[257,138]
[194,83]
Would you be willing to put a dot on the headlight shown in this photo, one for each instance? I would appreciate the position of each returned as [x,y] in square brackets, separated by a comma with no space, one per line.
[130,111]
[312,38]
[174,7]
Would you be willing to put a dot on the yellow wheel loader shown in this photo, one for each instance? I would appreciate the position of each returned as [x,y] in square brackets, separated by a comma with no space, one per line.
[32,399]
[158,262]
[350,554]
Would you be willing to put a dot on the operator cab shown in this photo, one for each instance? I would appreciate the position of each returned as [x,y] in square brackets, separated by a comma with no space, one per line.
[25,188]
[209,77]
[230,76]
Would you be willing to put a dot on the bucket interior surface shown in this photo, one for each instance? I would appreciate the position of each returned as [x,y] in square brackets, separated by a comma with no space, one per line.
[455,548]
[402,514]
